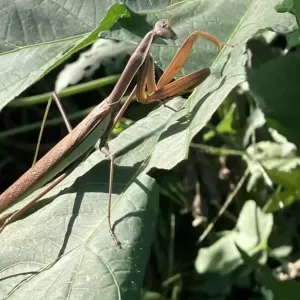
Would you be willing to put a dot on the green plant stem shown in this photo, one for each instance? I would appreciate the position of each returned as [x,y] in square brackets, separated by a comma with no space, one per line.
[55,121]
[225,205]
[217,151]
[37,125]
[69,91]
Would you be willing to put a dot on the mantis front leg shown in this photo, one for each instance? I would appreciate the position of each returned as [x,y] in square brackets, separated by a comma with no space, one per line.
[164,89]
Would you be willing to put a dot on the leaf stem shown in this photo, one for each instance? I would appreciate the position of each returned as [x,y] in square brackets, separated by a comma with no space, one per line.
[72,90]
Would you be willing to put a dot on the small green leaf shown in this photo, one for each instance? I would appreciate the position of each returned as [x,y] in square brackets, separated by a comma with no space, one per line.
[153,296]
[252,231]
[283,290]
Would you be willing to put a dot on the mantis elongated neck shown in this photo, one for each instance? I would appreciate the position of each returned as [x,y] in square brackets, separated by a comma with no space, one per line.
[134,63]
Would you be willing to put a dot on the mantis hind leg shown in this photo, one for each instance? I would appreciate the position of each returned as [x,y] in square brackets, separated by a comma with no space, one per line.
[111,157]
[63,114]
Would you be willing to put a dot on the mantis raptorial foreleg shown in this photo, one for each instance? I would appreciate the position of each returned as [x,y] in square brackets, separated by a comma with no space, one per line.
[164,89]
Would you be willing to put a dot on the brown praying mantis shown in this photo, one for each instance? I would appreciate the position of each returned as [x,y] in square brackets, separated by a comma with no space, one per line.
[99,122]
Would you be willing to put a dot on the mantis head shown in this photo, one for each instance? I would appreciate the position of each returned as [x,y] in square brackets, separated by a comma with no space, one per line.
[162,29]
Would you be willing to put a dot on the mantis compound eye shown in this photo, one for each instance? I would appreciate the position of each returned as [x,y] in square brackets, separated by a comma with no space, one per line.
[162,29]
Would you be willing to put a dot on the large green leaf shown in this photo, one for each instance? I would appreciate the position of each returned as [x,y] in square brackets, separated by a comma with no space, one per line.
[65,251]
[74,226]
[227,67]
[293,7]
[91,266]
[274,83]
[279,101]
[38,35]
